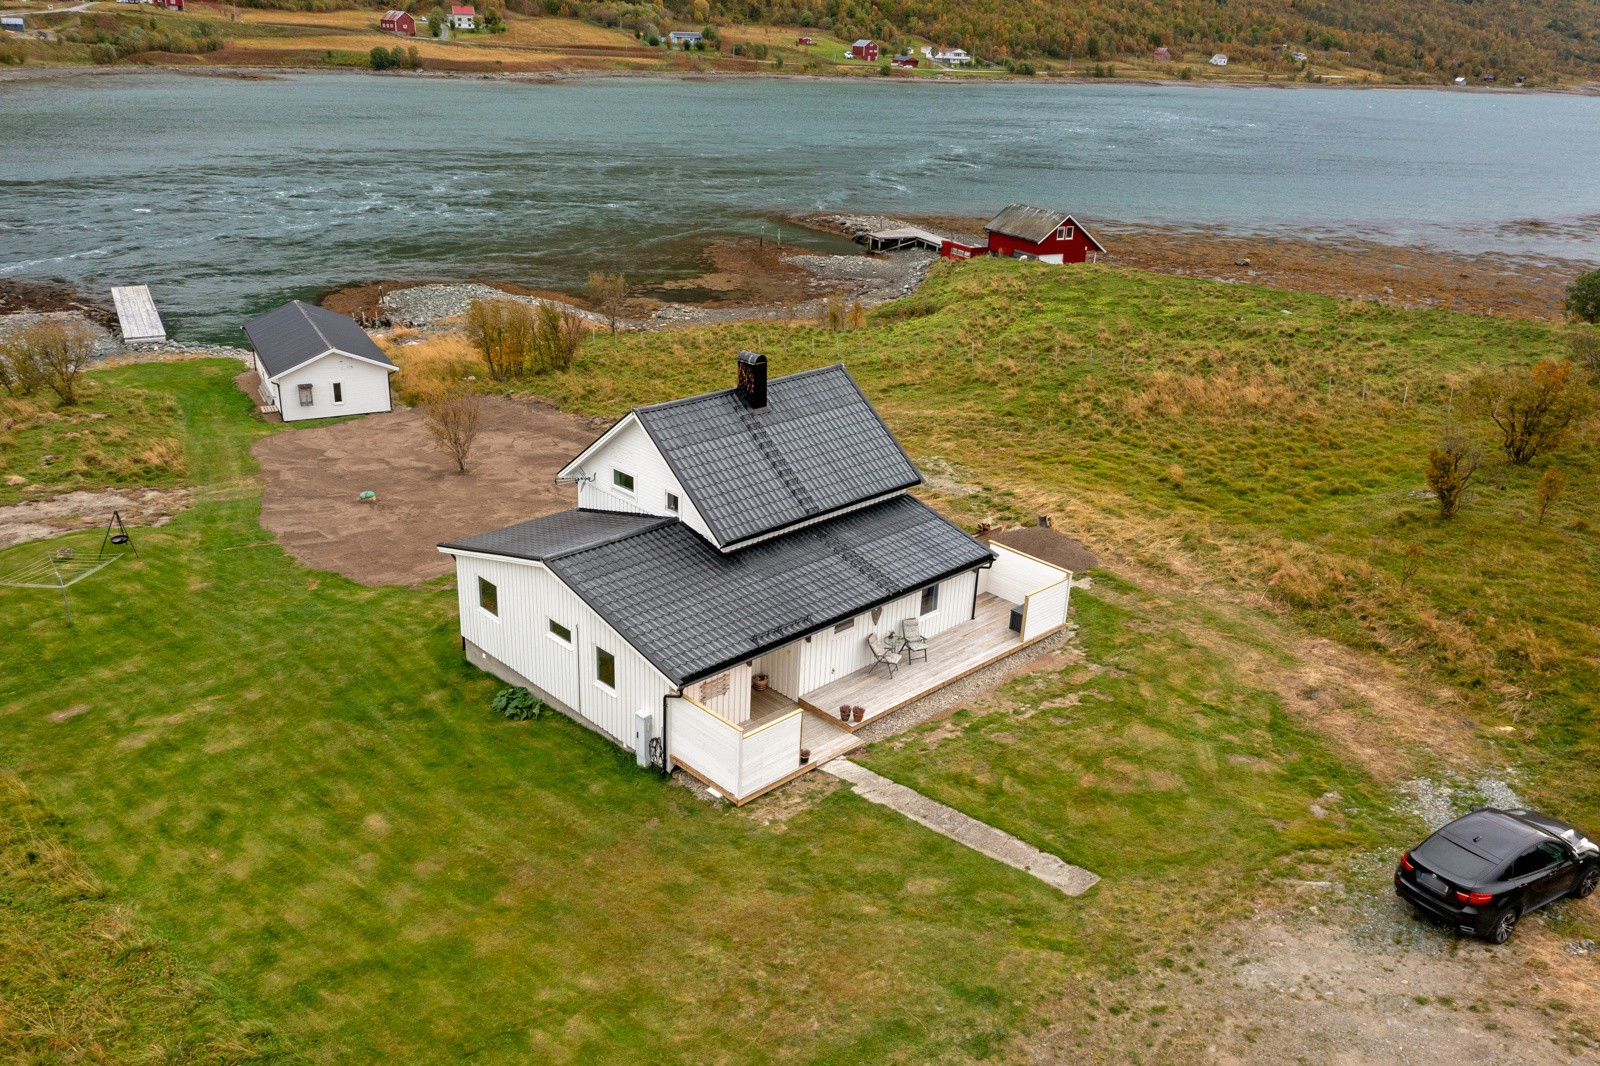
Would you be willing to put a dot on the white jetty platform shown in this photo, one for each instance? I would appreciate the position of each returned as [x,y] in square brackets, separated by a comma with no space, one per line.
[136,314]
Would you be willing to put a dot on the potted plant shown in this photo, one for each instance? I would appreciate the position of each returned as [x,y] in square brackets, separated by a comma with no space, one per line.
[805,756]
[844,712]
[759,682]
[858,712]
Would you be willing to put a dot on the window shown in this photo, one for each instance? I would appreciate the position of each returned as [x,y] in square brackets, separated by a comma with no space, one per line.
[1064,233]
[672,502]
[305,396]
[338,392]
[845,626]
[1536,859]
[489,597]
[560,632]
[605,668]
[930,600]
[622,481]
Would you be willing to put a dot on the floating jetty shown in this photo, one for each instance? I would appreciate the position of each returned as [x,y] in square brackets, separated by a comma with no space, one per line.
[136,315]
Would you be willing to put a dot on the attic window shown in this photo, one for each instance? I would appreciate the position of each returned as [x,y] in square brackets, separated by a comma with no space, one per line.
[672,502]
[1064,233]
[305,396]
[622,481]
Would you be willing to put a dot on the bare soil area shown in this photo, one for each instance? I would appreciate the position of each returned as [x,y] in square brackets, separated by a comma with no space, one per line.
[314,478]
[75,511]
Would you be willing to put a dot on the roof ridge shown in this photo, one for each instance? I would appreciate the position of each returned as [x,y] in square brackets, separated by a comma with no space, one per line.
[301,305]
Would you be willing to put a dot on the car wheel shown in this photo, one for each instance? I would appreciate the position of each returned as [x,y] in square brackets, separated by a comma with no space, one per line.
[1503,926]
[1587,884]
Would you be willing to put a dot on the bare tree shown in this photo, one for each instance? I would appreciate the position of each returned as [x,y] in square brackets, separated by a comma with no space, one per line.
[453,419]
[1410,562]
[49,352]
[608,293]
[1549,491]
[1534,410]
[1451,464]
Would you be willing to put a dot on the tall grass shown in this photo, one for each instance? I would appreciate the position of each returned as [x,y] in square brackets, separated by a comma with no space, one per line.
[433,366]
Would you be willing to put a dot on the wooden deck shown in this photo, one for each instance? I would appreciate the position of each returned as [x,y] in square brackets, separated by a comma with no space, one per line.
[888,240]
[952,655]
[136,315]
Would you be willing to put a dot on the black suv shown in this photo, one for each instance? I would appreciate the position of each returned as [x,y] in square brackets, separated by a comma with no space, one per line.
[1483,871]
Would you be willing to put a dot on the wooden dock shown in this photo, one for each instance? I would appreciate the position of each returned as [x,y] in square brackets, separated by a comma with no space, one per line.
[889,240]
[136,315]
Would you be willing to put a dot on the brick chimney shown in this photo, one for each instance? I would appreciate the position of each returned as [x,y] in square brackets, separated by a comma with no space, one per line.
[752,387]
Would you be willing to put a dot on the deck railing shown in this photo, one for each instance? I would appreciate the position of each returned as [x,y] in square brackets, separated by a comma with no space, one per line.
[737,763]
[1042,589]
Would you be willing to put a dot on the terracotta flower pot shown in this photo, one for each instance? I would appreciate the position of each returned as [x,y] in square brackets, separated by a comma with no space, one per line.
[858,713]
[844,712]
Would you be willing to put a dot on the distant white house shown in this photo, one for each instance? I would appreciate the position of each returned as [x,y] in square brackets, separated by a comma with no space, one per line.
[12,24]
[742,564]
[954,57]
[1219,60]
[685,37]
[1299,57]
[463,16]
[315,363]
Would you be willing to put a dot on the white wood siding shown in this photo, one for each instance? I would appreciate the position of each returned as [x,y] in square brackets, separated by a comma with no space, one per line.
[365,387]
[738,763]
[734,703]
[1046,610]
[831,655]
[782,668]
[1014,575]
[519,636]
[770,753]
[631,451]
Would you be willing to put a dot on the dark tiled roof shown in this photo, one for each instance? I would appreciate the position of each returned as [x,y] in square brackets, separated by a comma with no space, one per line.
[817,447]
[290,335]
[566,531]
[693,610]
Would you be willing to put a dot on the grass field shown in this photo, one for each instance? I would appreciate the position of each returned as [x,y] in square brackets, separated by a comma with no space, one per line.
[294,784]
[118,435]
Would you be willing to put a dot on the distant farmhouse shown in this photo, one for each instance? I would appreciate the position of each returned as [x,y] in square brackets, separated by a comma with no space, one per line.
[865,50]
[1162,55]
[315,363]
[1025,232]
[401,22]
[1219,60]
[680,38]
[463,17]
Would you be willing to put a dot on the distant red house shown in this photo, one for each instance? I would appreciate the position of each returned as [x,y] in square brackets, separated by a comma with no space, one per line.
[904,61]
[1027,232]
[804,40]
[1163,55]
[400,22]
[865,50]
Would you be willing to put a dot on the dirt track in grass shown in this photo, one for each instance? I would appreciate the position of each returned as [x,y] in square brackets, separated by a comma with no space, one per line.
[314,478]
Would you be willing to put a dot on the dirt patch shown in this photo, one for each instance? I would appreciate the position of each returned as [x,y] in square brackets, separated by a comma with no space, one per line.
[1048,544]
[778,806]
[314,478]
[75,511]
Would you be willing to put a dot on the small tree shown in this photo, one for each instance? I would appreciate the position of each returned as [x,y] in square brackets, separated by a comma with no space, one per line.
[608,293]
[557,336]
[1549,491]
[1410,562]
[1585,344]
[1583,297]
[49,353]
[1451,464]
[413,58]
[380,58]
[453,419]
[1534,410]
[502,331]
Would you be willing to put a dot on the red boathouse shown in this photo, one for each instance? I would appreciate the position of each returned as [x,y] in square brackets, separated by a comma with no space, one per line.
[1040,233]
[400,22]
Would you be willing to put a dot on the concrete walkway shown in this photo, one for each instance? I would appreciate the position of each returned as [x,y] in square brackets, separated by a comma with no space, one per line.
[986,839]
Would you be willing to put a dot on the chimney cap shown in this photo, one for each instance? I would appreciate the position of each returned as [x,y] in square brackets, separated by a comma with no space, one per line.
[751,358]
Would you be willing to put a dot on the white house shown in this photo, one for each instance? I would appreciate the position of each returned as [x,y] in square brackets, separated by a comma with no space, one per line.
[1219,60]
[735,566]
[954,57]
[463,16]
[315,363]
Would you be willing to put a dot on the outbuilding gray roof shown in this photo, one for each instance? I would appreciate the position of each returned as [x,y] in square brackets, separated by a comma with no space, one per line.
[817,447]
[556,534]
[694,611]
[1034,224]
[298,332]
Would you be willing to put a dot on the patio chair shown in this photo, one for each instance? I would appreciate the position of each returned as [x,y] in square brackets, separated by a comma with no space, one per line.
[883,655]
[915,643]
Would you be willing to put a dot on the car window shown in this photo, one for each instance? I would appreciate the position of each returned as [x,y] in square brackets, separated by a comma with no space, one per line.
[1537,858]
[1445,856]
[1554,854]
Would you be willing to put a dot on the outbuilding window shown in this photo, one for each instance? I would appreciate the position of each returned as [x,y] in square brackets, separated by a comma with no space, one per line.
[622,481]
[560,633]
[605,668]
[930,600]
[338,392]
[1064,233]
[489,597]
[305,396]
[672,502]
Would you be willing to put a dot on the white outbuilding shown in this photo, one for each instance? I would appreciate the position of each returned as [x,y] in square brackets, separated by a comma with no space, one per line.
[1219,60]
[316,363]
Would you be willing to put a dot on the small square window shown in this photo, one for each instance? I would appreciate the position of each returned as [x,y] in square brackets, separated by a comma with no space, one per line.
[338,392]
[845,626]
[930,600]
[305,396]
[560,632]
[622,481]
[672,502]
[489,597]
[605,668]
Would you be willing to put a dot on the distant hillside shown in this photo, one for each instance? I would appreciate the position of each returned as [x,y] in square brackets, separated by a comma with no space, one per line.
[1406,40]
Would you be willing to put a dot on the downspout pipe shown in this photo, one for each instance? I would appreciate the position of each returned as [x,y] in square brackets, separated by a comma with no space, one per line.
[666,759]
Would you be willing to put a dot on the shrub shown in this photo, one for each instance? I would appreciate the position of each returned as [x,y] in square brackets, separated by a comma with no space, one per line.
[1549,491]
[380,57]
[518,704]
[608,293]
[1533,410]
[49,353]
[502,331]
[1451,464]
[1583,297]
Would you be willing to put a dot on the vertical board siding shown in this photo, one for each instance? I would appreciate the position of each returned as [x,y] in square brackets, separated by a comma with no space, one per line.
[1046,610]
[706,743]
[1014,575]
[782,668]
[365,386]
[770,754]
[519,636]
[830,656]
[734,704]
[633,452]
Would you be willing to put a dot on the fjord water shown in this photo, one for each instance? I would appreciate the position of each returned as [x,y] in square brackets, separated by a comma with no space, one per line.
[228,195]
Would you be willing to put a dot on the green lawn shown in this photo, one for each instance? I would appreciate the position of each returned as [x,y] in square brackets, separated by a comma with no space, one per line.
[294,787]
